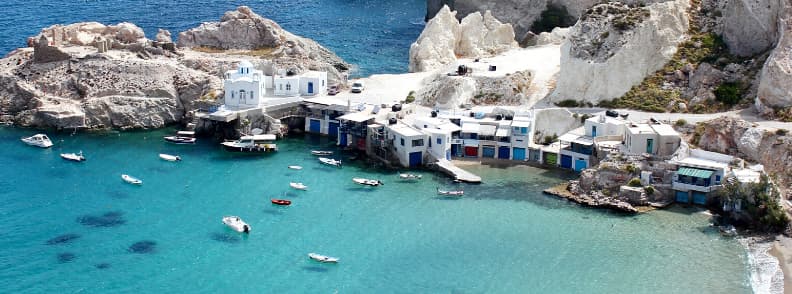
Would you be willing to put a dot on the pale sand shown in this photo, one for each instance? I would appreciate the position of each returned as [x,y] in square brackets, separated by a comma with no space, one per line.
[782,249]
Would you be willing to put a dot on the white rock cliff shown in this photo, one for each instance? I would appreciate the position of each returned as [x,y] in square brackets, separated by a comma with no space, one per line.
[775,83]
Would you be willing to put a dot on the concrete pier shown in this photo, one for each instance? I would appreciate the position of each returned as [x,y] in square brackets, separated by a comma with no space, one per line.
[456,172]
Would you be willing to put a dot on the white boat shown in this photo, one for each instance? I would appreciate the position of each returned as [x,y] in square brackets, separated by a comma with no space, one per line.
[367,182]
[728,231]
[38,140]
[330,161]
[252,144]
[298,186]
[297,167]
[73,156]
[169,157]
[131,180]
[450,192]
[404,176]
[322,258]
[182,137]
[236,223]
[321,152]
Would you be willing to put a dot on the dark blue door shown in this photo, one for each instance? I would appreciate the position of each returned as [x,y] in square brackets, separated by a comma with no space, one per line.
[416,158]
[566,161]
[519,153]
[343,139]
[455,150]
[503,152]
[699,197]
[310,88]
[332,130]
[315,126]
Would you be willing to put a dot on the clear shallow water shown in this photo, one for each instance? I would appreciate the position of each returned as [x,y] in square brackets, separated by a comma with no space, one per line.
[374,35]
[504,236]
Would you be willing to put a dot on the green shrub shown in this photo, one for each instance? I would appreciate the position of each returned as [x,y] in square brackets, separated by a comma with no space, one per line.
[584,117]
[781,132]
[553,16]
[630,168]
[680,122]
[568,103]
[649,190]
[410,97]
[729,93]
[634,182]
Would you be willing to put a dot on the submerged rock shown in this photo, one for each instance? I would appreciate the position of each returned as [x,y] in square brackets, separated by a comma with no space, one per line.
[225,238]
[63,239]
[66,257]
[103,265]
[143,247]
[109,219]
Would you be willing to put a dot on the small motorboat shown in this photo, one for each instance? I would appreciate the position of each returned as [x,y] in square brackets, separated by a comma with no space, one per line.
[38,140]
[322,258]
[132,180]
[297,167]
[405,176]
[321,152]
[182,137]
[456,193]
[73,156]
[283,202]
[236,223]
[169,157]
[330,161]
[298,186]
[367,182]
[728,231]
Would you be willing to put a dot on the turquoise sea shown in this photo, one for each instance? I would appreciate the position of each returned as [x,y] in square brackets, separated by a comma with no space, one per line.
[503,236]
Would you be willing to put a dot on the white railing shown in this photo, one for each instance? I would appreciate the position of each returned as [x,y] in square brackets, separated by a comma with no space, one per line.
[684,187]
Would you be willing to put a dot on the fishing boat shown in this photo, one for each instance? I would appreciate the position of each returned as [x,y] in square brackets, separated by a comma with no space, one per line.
[236,223]
[330,161]
[182,137]
[73,156]
[405,176]
[298,186]
[132,180]
[252,144]
[297,167]
[321,152]
[283,202]
[450,192]
[367,182]
[323,258]
[38,140]
[169,157]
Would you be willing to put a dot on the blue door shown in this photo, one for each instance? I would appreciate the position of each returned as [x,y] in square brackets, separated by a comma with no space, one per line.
[681,196]
[448,154]
[593,131]
[580,165]
[519,153]
[315,126]
[416,158]
[488,152]
[310,88]
[503,152]
[455,150]
[332,130]
[566,161]
[342,141]
[699,197]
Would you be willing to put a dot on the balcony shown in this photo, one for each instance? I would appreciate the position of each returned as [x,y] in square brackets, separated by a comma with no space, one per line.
[679,186]
[457,141]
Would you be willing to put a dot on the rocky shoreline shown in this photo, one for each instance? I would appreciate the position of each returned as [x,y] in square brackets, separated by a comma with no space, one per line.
[596,201]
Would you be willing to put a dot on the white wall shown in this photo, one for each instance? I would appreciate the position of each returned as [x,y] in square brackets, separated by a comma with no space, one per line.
[606,128]
[232,96]
[636,143]
[403,152]
[281,88]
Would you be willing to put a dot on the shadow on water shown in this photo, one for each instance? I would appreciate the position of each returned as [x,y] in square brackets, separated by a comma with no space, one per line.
[361,189]
[118,194]
[315,269]
[103,265]
[63,239]
[109,219]
[65,257]
[225,238]
[143,247]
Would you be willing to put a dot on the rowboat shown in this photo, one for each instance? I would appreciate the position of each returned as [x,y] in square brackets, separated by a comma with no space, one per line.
[367,182]
[323,258]
[280,202]
[297,167]
[330,161]
[132,180]
[450,192]
[298,186]
[321,152]
[169,157]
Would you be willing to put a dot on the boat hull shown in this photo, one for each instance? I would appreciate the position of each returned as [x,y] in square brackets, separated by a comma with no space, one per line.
[179,140]
[281,202]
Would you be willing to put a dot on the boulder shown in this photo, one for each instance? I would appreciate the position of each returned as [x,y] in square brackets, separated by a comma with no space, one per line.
[749,27]
[483,36]
[84,34]
[775,82]
[555,37]
[163,36]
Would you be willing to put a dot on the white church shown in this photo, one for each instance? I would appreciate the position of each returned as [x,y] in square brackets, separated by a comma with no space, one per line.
[248,87]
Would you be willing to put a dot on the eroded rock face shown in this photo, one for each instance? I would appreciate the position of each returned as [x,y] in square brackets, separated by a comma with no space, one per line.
[444,39]
[449,92]
[163,36]
[613,47]
[775,82]
[749,27]
[85,34]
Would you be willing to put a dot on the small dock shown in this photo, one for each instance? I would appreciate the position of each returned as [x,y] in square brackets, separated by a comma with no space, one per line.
[456,172]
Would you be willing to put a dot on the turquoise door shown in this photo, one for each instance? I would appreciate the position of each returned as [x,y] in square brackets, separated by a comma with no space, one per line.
[315,126]
[593,131]
[699,197]
[416,158]
[649,145]
[580,165]
[488,152]
[519,153]
[681,196]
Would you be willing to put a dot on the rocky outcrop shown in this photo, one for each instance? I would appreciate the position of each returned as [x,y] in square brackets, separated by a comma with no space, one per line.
[448,92]
[444,39]
[244,30]
[163,36]
[749,27]
[775,82]
[614,46]
[86,33]
[555,37]
[554,122]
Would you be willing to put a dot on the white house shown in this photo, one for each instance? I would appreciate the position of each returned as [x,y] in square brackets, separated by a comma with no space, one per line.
[244,87]
[313,83]
[603,125]
[409,144]
[668,139]
[286,85]
[658,139]
[441,133]
[699,173]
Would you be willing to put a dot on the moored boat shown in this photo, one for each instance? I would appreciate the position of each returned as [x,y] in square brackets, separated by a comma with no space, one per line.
[38,140]
[321,152]
[297,167]
[236,223]
[456,193]
[330,161]
[182,137]
[728,231]
[367,182]
[406,176]
[169,157]
[131,180]
[283,202]
[298,186]
[73,156]
[252,144]
[323,258]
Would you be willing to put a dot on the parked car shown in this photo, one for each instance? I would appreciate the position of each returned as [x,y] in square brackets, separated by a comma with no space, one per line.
[332,90]
[357,87]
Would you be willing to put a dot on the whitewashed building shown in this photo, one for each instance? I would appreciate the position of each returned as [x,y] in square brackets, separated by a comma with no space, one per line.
[655,138]
[313,83]
[244,87]
[409,144]
[602,125]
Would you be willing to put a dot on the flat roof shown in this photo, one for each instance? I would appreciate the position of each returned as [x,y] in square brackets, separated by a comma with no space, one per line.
[357,116]
[584,140]
[568,137]
[608,120]
[468,127]
[404,130]
[700,162]
[487,130]
[313,74]
[665,130]
[640,129]
[503,132]
[521,123]
[747,175]
[325,101]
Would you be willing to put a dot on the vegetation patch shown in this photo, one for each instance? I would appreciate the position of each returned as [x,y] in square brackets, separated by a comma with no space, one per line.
[410,97]
[760,201]
[729,93]
[634,182]
[553,16]
[568,103]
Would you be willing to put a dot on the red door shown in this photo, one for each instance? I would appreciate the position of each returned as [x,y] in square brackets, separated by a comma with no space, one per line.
[471,151]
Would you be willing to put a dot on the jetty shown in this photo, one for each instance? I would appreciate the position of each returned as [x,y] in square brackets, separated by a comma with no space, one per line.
[459,174]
